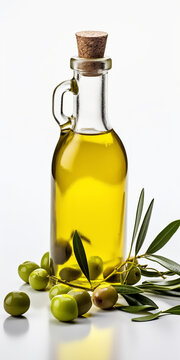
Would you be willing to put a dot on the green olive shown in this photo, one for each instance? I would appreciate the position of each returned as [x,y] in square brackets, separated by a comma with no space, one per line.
[59,289]
[16,303]
[25,269]
[64,307]
[129,264]
[83,300]
[39,279]
[133,276]
[45,262]
[95,265]
[70,273]
[104,297]
[61,252]
[115,278]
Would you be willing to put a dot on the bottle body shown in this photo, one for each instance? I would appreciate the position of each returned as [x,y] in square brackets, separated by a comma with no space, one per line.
[89,174]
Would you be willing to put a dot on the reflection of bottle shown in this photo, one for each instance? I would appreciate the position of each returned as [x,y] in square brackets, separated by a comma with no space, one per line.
[89,166]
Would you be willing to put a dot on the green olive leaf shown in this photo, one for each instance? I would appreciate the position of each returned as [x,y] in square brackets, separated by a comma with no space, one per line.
[83,237]
[163,237]
[144,300]
[147,317]
[172,293]
[154,273]
[157,287]
[139,299]
[174,310]
[167,263]
[127,289]
[134,309]
[138,216]
[131,300]
[166,283]
[144,228]
[80,255]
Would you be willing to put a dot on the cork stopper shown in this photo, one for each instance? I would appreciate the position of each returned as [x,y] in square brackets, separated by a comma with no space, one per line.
[91,44]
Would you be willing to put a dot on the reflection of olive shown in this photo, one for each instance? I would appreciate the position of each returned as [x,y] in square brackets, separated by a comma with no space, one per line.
[115,278]
[95,265]
[61,251]
[16,327]
[83,300]
[70,273]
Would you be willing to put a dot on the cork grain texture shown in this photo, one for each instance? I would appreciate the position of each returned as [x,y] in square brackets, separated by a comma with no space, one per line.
[91,44]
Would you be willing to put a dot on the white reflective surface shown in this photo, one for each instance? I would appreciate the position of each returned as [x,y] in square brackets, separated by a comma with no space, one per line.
[102,335]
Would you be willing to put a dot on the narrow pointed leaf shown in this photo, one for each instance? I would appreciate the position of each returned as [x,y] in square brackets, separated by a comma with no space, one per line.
[149,273]
[144,300]
[144,228]
[139,299]
[154,287]
[147,317]
[127,289]
[167,263]
[80,254]
[171,293]
[163,285]
[134,309]
[131,300]
[168,282]
[83,237]
[163,237]
[138,215]
[174,310]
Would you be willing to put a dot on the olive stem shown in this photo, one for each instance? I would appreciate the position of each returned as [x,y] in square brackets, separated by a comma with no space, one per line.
[131,266]
[160,274]
[70,284]
[118,267]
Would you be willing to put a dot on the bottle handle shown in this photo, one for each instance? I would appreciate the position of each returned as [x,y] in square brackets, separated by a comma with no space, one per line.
[59,91]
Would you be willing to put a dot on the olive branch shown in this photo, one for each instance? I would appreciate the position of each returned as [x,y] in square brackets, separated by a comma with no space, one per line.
[138,303]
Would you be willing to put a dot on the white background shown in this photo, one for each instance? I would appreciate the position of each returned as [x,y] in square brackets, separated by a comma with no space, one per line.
[37,41]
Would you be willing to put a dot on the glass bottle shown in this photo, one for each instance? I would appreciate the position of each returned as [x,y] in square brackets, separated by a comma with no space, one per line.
[89,170]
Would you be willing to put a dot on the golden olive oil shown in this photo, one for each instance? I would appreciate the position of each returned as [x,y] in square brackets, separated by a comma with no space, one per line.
[88,195]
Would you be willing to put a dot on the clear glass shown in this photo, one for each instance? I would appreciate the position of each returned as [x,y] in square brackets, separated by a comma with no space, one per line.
[90,104]
[89,173]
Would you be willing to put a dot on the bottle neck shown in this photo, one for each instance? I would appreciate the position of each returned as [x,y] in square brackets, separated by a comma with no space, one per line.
[90,104]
